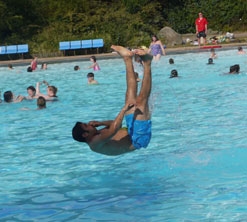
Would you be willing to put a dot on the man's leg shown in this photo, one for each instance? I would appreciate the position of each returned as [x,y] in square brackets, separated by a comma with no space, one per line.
[131,91]
[142,106]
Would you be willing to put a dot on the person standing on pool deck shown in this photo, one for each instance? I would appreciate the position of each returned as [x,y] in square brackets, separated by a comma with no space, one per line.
[112,139]
[201,28]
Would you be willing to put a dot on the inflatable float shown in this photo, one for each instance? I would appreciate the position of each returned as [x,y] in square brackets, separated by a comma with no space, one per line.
[210,46]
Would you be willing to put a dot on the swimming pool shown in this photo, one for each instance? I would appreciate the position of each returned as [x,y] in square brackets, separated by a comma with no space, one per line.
[194,169]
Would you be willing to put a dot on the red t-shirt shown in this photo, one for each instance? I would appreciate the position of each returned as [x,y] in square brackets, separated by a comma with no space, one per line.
[201,23]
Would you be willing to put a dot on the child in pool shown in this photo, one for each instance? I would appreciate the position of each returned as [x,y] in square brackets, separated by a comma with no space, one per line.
[95,65]
[90,79]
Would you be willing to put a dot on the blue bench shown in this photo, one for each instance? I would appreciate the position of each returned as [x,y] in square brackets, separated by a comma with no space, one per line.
[97,43]
[14,49]
[81,44]
[22,48]
[2,50]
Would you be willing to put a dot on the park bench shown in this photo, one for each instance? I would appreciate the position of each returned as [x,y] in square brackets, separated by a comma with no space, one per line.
[14,49]
[84,45]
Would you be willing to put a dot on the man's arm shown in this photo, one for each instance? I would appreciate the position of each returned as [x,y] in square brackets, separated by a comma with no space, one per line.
[107,133]
[105,123]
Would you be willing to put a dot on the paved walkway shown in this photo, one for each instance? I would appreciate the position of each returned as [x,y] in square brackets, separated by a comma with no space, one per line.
[169,51]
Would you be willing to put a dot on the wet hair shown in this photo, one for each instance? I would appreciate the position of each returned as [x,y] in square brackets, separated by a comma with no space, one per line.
[29,69]
[210,61]
[235,68]
[174,73]
[43,64]
[90,74]
[31,88]
[76,68]
[53,89]
[41,102]
[8,96]
[10,66]
[240,48]
[93,58]
[171,61]
[77,132]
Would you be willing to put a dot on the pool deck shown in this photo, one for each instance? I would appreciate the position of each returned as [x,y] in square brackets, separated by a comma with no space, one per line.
[169,51]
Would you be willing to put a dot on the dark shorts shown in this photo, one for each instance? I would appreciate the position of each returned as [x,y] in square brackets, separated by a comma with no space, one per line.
[139,131]
[201,34]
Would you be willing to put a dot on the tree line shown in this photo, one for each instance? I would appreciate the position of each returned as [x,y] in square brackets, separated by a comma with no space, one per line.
[44,23]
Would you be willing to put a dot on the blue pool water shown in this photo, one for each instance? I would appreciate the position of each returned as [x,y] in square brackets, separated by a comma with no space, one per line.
[194,168]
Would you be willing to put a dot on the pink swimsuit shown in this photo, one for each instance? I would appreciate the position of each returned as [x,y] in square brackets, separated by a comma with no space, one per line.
[96,68]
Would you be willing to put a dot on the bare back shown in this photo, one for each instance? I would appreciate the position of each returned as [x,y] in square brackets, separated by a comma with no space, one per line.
[120,143]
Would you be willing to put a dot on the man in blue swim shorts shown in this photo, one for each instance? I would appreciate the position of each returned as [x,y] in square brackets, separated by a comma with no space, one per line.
[112,139]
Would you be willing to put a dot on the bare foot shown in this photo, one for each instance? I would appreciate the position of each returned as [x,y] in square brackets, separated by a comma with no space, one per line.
[145,56]
[122,51]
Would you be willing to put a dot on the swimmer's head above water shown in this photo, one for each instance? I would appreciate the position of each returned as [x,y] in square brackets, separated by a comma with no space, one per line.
[210,61]
[174,73]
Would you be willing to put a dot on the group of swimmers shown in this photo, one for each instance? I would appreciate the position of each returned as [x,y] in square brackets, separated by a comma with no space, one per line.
[90,76]
[33,93]
[34,65]
[234,69]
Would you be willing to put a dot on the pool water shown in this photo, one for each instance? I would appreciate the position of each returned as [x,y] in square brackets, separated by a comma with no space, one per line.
[194,168]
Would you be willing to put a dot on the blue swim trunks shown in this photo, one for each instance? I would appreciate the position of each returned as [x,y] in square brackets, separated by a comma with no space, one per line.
[139,131]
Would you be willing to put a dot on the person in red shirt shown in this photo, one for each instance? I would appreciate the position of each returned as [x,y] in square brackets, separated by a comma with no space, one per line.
[201,28]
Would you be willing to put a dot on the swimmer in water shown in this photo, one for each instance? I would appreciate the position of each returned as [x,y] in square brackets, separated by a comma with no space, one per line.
[240,50]
[210,61]
[90,79]
[112,139]
[213,54]
[41,102]
[95,65]
[234,69]
[51,91]
[174,73]
[31,91]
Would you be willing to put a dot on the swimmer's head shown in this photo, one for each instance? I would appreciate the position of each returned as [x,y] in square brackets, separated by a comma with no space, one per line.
[76,68]
[29,69]
[41,102]
[240,48]
[90,75]
[8,96]
[234,69]
[174,73]
[210,61]
[31,91]
[52,91]
[171,61]
[78,131]
[93,58]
